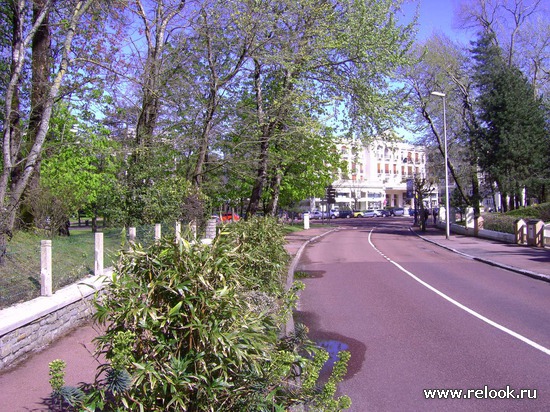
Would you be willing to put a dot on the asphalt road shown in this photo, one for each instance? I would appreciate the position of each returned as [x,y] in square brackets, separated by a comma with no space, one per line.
[418,317]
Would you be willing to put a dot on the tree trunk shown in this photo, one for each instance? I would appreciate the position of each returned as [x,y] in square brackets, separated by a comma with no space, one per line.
[41,64]
[204,140]
[10,200]
[276,188]
[261,175]
[476,196]
[155,36]
[261,178]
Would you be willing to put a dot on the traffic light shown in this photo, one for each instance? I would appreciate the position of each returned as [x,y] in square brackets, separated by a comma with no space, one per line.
[331,194]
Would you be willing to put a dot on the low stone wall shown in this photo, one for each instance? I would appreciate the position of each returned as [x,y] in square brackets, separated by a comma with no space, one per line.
[482,233]
[30,326]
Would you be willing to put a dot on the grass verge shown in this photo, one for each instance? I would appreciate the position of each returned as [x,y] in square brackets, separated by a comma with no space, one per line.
[72,260]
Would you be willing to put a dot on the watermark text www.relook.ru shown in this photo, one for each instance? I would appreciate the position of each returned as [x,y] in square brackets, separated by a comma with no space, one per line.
[483,393]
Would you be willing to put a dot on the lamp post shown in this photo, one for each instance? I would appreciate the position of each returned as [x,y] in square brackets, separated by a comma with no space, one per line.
[447,211]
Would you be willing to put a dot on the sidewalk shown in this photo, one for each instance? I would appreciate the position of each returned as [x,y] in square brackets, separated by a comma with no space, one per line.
[526,260]
[25,386]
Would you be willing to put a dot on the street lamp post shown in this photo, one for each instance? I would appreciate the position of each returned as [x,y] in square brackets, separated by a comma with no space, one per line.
[447,211]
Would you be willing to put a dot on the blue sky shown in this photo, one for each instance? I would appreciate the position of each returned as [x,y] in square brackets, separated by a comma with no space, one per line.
[436,16]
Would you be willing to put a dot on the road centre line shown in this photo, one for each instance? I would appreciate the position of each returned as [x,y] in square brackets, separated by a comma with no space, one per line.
[461,306]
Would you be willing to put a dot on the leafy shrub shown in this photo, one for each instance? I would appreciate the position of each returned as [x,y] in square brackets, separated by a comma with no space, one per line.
[499,222]
[190,327]
[505,222]
[541,212]
[262,255]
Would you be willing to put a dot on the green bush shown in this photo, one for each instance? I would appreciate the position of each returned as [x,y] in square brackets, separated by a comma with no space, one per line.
[263,259]
[190,327]
[541,212]
[499,222]
[505,222]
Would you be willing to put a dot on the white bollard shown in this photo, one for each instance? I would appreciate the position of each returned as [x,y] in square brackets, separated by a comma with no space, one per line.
[157,232]
[306,220]
[46,268]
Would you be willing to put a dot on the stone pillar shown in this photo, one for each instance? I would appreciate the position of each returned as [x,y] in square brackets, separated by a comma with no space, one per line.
[98,261]
[521,231]
[210,231]
[178,231]
[535,232]
[46,268]
[306,220]
[193,229]
[132,234]
[478,225]
[442,215]
[470,218]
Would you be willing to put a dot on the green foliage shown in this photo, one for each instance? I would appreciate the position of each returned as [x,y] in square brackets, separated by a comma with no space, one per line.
[57,374]
[195,327]
[79,162]
[499,223]
[505,222]
[541,212]
[154,190]
[263,258]
[513,145]
[63,397]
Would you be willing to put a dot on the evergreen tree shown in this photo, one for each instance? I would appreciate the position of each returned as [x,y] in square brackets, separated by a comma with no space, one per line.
[512,141]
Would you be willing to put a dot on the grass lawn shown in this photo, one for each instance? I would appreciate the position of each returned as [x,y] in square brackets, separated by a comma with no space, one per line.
[72,259]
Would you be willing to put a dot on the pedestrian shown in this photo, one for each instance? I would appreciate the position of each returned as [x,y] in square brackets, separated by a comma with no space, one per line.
[434,212]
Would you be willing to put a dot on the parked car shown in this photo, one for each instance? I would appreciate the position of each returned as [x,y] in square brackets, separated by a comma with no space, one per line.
[357,213]
[228,217]
[346,213]
[317,214]
[384,212]
[334,213]
[397,211]
[372,213]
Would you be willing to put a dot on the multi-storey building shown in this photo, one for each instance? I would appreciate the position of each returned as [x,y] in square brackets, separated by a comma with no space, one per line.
[377,175]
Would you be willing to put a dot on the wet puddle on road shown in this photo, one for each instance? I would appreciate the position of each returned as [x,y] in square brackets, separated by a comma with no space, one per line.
[333,347]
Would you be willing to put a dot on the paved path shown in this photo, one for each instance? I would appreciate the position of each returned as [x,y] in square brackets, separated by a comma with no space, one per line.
[24,387]
[527,260]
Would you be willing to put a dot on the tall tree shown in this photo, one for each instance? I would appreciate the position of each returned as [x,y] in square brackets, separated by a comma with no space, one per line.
[521,28]
[444,66]
[16,154]
[513,142]
[319,51]
[155,36]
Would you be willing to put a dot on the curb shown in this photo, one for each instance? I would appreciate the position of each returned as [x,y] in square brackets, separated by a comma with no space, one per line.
[289,327]
[525,272]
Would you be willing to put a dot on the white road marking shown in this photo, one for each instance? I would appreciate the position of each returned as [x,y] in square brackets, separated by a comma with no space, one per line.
[461,306]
